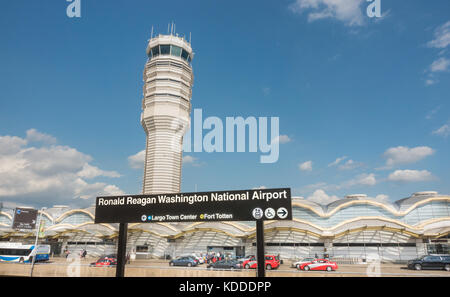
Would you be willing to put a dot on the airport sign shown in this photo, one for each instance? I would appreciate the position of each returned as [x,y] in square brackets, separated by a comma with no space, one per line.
[243,205]
[24,219]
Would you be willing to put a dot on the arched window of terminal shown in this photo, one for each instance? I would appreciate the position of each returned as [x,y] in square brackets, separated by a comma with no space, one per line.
[167,49]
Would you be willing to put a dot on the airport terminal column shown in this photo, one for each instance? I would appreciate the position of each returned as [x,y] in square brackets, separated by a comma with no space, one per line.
[121,250]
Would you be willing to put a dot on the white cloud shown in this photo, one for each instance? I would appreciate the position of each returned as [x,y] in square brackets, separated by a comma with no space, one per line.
[430,82]
[319,196]
[11,144]
[137,161]
[349,165]
[347,11]
[189,160]
[440,65]
[441,36]
[90,171]
[281,139]
[316,186]
[35,136]
[361,180]
[48,174]
[367,179]
[305,166]
[405,155]
[381,197]
[441,41]
[337,161]
[260,188]
[410,176]
[443,131]
[432,113]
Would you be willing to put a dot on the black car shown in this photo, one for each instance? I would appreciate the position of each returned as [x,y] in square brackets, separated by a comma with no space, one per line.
[225,264]
[430,262]
[183,261]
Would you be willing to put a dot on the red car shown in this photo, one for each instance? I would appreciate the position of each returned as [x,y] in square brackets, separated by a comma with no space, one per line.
[272,262]
[105,262]
[247,261]
[319,264]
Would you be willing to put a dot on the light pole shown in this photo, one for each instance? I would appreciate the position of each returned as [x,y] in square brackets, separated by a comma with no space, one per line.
[38,225]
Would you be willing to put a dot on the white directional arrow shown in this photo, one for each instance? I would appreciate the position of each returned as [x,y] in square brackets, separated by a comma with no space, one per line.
[282,213]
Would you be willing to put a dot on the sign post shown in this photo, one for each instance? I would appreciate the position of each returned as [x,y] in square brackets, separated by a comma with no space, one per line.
[121,250]
[245,205]
[33,260]
[260,254]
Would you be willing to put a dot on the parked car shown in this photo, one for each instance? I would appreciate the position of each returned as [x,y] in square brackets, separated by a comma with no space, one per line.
[246,260]
[430,262]
[184,261]
[296,264]
[226,264]
[200,260]
[272,262]
[105,261]
[319,264]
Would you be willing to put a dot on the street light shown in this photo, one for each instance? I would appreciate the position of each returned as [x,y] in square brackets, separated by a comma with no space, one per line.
[36,240]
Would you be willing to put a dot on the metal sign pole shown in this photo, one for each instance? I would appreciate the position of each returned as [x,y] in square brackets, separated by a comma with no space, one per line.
[121,250]
[35,243]
[260,257]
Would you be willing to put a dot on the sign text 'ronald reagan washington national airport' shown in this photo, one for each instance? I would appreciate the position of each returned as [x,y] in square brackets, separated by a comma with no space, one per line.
[245,205]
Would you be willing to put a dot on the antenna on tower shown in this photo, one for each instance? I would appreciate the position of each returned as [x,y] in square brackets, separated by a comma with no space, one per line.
[168,28]
[151,36]
[190,38]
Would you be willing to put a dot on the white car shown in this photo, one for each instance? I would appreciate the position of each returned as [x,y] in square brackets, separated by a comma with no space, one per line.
[201,260]
[297,264]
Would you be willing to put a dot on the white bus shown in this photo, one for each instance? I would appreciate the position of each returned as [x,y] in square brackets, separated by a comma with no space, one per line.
[23,253]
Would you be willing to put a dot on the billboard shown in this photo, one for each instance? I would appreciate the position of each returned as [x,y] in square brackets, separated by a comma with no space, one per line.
[243,205]
[25,218]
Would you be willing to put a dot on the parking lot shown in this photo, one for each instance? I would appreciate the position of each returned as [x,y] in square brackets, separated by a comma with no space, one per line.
[61,267]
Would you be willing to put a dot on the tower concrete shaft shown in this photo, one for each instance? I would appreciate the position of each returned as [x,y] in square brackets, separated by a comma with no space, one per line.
[166,111]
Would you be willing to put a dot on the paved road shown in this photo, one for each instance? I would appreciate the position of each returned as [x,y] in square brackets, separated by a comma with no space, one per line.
[61,267]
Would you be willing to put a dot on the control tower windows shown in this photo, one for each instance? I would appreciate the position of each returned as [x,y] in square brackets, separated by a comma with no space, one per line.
[165,49]
[175,51]
[155,51]
[184,55]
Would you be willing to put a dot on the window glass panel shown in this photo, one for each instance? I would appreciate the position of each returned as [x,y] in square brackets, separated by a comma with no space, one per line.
[165,49]
[155,51]
[176,51]
[184,54]
[189,58]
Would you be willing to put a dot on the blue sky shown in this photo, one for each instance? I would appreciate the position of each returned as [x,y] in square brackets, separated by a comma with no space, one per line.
[371,93]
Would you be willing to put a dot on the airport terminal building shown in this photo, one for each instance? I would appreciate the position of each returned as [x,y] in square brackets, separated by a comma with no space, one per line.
[353,228]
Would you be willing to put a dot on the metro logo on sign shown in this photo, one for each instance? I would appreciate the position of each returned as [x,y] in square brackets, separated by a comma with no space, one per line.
[246,205]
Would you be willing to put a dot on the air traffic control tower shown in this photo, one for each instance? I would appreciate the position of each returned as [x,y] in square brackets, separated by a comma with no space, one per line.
[168,80]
